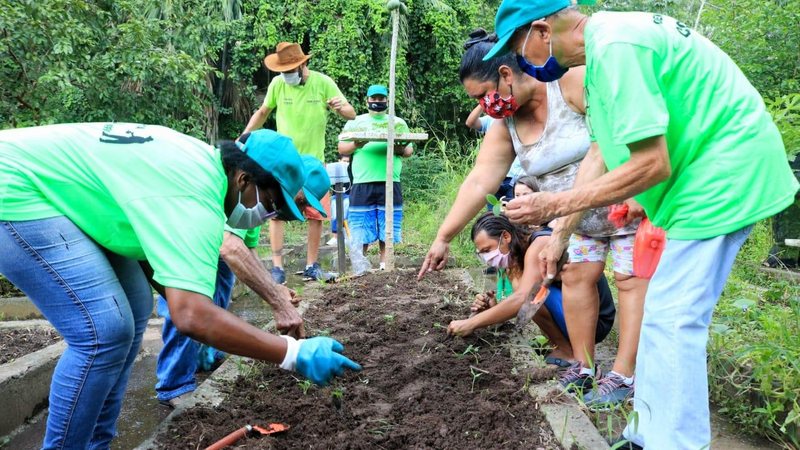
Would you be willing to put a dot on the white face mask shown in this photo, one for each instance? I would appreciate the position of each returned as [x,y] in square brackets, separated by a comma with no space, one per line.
[292,78]
[243,218]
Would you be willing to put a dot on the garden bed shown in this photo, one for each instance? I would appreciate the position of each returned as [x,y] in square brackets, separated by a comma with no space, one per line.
[16,342]
[417,390]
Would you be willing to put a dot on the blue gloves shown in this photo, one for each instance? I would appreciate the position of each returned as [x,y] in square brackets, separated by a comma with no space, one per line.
[318,359]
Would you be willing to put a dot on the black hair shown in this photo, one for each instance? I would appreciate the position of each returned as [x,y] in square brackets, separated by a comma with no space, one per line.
[472,63]
[520,238]
[234,159]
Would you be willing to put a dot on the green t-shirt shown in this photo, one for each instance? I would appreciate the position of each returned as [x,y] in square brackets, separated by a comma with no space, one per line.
[369,161]
[250,237]
[128,187]
[301,112]
[648,75]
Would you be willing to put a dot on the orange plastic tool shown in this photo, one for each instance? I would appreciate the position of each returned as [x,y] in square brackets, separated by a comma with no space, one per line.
[247,430]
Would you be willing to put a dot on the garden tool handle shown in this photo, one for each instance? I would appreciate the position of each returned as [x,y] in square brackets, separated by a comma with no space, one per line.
[559,266]
[231,438]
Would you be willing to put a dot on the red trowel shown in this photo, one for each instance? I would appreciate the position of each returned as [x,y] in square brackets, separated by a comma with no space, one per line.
[538,296]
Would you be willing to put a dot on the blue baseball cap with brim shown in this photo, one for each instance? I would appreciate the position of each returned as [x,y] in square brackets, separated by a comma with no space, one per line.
[513,14]
[277,155]
[317,183]
[377,89]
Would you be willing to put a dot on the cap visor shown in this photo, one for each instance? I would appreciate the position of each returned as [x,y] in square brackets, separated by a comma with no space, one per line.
[291,211]
[315,203]
[501,47]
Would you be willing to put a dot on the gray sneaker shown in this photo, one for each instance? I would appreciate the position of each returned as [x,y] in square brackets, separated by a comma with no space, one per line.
[611,391]
[572,380]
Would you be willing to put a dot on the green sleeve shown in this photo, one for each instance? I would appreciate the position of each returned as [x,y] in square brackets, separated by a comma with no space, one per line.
[626,83]
[331,90]
[250,237]
[182,260]
[271,99]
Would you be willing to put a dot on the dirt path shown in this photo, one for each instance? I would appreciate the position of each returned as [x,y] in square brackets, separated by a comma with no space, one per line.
[417,389]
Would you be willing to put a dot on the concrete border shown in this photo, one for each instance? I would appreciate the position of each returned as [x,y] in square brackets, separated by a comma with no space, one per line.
[209,392]
[25,385]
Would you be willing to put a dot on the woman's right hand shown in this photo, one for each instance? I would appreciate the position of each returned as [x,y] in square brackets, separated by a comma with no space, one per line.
[483,302]
[436,257]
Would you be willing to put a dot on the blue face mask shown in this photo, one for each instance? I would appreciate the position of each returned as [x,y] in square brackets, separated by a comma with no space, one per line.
[550,71]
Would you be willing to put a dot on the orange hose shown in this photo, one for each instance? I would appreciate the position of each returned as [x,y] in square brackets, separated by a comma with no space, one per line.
[230,439]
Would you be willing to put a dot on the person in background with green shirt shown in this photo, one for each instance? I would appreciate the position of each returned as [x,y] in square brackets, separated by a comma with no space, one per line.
[302,98]
[88,214]
[680,127]
[367,213]
[181,356]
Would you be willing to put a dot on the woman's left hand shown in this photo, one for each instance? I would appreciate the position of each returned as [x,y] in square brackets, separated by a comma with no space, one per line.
[460,328]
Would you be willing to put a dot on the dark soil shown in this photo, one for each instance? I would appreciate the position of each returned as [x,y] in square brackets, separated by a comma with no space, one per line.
[8,290]
[416,389]
[21,341]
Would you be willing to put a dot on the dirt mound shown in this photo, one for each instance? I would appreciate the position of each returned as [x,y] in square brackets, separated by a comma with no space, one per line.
[21,341]
[417,390]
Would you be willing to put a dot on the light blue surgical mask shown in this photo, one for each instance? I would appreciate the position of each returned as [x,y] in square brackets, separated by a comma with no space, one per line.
[244,218]
[292,78]
[550,71]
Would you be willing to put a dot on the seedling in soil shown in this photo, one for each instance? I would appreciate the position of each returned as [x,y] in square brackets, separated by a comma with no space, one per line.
[389,318]
[439,325]
[304,385]
[325,332]
[337,395]
[471,350]
[476,373]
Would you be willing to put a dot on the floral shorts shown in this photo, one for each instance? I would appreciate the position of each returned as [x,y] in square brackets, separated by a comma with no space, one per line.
[584,248]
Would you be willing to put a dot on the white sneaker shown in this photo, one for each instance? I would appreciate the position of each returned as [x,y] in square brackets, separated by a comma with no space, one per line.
[331,242]
[383,266]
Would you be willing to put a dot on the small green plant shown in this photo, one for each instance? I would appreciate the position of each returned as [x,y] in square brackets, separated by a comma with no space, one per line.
[439,326]
[325,332]
[304,385]
[497,204]
[389,318]
[337,395]
[471,350]
[476,373]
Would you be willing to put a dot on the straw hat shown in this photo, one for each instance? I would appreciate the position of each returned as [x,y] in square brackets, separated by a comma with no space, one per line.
[287,57]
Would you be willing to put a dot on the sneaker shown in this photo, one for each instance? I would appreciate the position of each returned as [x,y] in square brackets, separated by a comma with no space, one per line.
[331,242]
[611,391]
[572,380]
[382,266]
[626,444]
[175,402]
[279,275]
[315,273]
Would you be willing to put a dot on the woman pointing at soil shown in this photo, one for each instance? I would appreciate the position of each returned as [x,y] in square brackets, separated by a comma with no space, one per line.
[87,220]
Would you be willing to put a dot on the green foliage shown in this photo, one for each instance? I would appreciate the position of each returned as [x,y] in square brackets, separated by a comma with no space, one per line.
[785,111]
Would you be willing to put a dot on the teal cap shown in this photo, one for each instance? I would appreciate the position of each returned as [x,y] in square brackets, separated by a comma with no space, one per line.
[317,183]
[513,14]
[277,155]
[377,89]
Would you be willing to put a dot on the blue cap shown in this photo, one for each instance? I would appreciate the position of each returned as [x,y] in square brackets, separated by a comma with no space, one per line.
[317,183]
[513,14]
[377,89]
[277,155]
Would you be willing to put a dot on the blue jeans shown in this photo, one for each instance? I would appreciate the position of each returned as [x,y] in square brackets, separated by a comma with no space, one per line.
[177,361]
[99,302]
[671,397]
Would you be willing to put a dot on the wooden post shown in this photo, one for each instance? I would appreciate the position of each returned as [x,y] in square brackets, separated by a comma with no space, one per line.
[390,147]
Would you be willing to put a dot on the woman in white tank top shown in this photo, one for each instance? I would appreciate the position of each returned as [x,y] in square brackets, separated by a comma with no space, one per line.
[543,125]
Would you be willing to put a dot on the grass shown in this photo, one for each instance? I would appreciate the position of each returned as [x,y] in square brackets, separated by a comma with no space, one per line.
[754,348]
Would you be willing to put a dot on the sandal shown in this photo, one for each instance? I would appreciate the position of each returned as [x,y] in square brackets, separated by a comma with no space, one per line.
[562,363]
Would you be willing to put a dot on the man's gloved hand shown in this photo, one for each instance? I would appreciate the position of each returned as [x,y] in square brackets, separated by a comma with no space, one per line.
[318,358]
